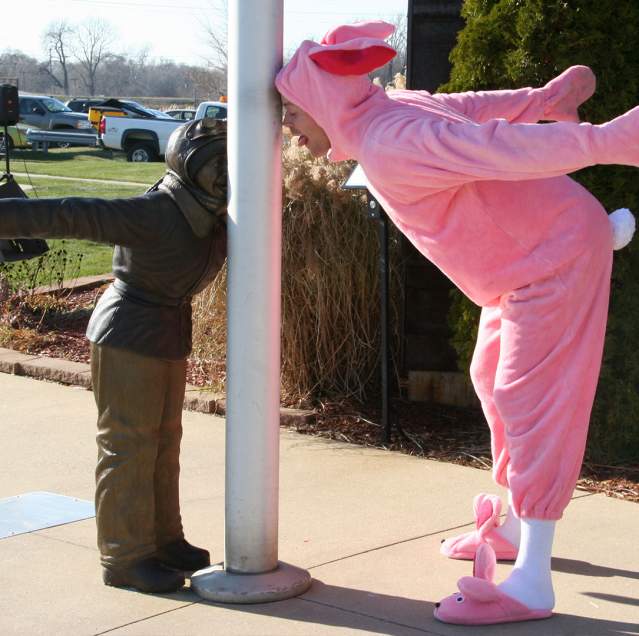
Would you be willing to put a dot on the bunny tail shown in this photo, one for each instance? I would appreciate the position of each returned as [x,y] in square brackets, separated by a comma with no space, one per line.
[623,225]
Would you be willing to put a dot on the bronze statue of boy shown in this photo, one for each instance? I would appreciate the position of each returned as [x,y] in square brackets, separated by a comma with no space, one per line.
[169,244]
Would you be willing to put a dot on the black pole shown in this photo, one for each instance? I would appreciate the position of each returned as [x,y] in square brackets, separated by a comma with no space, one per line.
[409,44]
[377,213]
[384,318]
[7,144]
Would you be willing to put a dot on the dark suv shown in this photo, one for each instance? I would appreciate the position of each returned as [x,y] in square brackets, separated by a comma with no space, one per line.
[49,113]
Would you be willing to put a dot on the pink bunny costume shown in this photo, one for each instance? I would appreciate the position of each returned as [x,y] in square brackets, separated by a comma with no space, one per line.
[480,190]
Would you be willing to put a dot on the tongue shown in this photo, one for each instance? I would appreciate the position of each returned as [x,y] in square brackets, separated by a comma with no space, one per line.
[302,140]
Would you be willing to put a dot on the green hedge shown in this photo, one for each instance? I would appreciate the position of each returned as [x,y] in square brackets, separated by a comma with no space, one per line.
[514,43]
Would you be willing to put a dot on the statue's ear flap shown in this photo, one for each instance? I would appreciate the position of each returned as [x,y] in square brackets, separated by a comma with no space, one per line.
[356,57]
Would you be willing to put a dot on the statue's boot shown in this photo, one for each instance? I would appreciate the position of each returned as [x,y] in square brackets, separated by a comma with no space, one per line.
[129,390]
[145,575]
[173,550]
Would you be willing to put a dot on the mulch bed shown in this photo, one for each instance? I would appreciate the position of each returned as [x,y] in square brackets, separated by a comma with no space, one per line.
[59,331]
[448,434]
[442,433]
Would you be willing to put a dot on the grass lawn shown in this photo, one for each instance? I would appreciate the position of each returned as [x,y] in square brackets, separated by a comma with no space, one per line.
[39,187]
[96,257]
[87,163]
[81,163]
[66,260]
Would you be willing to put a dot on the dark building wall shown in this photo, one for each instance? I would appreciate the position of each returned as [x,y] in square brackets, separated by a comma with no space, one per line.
[432,32]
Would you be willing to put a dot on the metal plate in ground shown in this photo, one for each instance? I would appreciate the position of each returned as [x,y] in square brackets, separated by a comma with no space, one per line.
[37,510]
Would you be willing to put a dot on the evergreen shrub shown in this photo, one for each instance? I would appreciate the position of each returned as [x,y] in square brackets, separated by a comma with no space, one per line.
[516,43]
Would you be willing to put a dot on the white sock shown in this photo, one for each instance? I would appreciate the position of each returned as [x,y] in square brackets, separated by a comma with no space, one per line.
[510,528]
[530,582]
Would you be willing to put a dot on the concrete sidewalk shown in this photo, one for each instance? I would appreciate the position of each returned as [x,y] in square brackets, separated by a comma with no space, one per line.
[366,523]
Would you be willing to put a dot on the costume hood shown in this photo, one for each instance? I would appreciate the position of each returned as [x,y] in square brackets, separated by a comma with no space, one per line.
[330,80]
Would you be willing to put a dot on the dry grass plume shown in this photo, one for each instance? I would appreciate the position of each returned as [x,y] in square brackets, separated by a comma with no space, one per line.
[330,304]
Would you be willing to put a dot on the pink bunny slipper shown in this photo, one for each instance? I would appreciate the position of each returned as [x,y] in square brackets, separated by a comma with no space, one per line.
[480,602]
[487,510]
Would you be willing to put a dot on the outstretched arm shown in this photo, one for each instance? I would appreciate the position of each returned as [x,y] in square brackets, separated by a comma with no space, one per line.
[524,105]
[129,222]
[440,154]
[557,101]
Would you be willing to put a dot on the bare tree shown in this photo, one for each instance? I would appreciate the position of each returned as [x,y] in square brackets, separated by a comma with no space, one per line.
[91,47]
[205,83]
[56,41]
[216,36]
[399,41]
[27,70]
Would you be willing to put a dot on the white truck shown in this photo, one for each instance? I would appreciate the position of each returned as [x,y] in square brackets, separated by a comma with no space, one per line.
[216,110]
[142,139]
[145,138]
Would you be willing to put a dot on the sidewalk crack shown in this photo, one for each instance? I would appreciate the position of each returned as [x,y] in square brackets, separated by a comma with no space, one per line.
[141,620]
[389,545]
[388,621]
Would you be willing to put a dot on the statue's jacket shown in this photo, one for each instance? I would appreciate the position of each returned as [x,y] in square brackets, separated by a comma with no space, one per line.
[168,247]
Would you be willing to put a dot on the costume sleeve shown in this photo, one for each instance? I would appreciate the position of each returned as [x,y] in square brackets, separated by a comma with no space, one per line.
[447,154]
[525,105]
[128,222]
[558,100]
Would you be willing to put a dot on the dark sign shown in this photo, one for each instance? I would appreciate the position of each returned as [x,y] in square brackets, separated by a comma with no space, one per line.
[18,249]
[9,112]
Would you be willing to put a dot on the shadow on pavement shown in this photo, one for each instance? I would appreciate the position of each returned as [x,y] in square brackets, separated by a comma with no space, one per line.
[614,598]
[378,614]
[584,568]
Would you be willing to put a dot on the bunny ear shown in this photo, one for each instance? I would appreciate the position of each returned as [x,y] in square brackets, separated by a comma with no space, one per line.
[372,29]
[487,510]
[350,59]
[485,562]
[478,589]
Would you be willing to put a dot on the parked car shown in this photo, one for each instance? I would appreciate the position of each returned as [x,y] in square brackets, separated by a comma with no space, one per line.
[184,114]
[144,137]
[160,113]
[17,138]
[217,110]
[48,113]
[122,108]
[141,138]
[82,104]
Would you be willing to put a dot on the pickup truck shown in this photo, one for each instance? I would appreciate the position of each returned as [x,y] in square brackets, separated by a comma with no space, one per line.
[217,110]
[141,138]
[119,108]
[48,113]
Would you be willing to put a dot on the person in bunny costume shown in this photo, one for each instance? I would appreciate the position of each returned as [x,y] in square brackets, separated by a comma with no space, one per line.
[480,189]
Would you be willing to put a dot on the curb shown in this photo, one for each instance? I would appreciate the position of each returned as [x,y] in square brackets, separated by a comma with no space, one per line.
[78,284]
[78,374]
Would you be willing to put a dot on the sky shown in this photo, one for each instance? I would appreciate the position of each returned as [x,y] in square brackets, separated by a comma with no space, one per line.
[174,29]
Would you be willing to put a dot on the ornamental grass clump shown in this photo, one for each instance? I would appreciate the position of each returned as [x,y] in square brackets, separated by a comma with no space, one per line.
[330,304]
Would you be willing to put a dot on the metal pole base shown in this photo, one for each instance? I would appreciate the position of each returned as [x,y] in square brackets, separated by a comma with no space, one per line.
[216,584]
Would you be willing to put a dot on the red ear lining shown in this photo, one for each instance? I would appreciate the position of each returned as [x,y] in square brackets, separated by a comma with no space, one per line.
[353,62]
